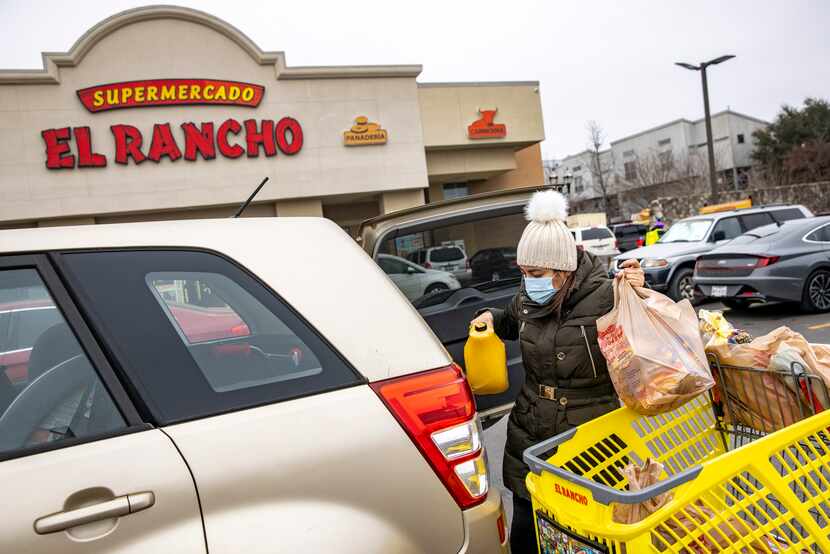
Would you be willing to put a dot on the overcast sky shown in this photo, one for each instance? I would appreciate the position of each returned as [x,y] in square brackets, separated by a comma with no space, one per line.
[607,60]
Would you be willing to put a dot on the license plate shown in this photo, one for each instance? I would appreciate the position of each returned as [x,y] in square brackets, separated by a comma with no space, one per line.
[719,292]
[554,539]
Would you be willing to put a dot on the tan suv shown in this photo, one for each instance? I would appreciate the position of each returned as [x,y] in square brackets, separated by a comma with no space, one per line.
[221,386]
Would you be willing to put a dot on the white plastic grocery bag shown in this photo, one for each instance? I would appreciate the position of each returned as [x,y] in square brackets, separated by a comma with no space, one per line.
[654,351]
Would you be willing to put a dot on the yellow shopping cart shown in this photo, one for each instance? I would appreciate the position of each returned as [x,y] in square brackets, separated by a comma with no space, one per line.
[732,487]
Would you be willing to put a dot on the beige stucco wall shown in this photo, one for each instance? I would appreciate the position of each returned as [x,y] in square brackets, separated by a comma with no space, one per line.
[447,110]
[522,169]
[447,166]
[528,173]
[177,48]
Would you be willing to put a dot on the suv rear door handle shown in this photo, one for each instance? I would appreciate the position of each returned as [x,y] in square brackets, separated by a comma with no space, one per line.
[117,507]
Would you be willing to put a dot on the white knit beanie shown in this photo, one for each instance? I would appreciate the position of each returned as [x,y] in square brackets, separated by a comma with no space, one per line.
[546,241]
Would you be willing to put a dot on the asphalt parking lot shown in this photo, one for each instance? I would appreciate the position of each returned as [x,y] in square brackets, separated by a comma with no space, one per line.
[757,320]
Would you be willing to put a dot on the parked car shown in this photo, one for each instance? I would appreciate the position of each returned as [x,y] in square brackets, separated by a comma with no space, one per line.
[788,262]
[494,218]
[669,264]
[305,407]
[414,280]
[630,235]
[494,264]
[21,323]
[442,258]
[598,240]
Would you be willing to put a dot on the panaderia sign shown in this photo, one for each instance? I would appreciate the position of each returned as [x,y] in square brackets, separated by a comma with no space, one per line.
[71,147]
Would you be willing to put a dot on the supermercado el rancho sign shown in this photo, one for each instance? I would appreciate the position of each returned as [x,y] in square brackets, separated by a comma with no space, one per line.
[70,147]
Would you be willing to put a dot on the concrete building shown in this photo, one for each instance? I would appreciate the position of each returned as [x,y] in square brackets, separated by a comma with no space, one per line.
[580,172]
[647,158]
[683,142]
[170,113]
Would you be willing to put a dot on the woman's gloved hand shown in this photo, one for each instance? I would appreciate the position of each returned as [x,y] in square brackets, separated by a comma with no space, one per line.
[633,273]
[484,317]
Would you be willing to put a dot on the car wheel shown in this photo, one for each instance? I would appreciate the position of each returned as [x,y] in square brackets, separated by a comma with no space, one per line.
[816,295]
[736,304]
[683,285]
[436,287]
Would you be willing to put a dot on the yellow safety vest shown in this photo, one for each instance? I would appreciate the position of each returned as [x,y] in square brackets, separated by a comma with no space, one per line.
[652,237]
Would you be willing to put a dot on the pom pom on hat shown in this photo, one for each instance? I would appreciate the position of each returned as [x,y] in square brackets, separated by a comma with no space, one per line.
[545,206]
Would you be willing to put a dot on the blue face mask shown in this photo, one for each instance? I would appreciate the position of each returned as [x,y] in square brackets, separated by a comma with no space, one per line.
[540,289]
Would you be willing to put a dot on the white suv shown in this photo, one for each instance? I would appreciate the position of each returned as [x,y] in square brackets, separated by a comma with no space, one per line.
[196,392]
[443,258]
[598,240]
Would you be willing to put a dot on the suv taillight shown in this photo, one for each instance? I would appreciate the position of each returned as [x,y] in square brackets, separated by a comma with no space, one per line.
[437,411]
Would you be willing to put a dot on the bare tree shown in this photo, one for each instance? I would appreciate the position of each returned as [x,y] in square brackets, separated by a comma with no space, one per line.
[596,138]
[661,174]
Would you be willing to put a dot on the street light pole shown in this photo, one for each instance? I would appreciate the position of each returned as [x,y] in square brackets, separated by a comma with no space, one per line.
[710,146]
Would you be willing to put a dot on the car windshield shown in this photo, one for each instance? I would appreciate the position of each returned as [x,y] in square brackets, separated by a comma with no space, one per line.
[690,230]
[446,254]
[596,233]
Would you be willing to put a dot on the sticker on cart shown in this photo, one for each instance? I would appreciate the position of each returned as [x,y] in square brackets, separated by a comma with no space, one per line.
[554,539]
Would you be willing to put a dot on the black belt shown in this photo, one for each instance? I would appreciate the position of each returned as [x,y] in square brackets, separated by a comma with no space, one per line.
[561,395]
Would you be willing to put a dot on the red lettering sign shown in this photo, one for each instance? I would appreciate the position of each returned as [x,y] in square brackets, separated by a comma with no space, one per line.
[484,128]
[57,149]
[285,136]
[167,92]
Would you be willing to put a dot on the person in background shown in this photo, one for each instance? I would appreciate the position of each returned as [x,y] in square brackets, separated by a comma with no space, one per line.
[554,316]
[655,232]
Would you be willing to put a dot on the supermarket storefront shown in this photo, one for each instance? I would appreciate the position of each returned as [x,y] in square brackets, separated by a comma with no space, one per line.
[170,113]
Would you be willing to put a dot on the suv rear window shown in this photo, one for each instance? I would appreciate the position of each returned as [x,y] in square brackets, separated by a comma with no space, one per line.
[623,230]
[787,214]
[449,254]
[480,236]
[596,233]
[197,335]
[752,221]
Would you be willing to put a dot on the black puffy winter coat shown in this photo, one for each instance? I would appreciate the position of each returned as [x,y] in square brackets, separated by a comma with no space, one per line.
[562,356]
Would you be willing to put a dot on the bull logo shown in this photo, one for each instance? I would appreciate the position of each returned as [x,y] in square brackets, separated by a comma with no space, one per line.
[484,127]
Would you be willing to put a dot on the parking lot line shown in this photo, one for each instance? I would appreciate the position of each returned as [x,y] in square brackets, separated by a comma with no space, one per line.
[819,326]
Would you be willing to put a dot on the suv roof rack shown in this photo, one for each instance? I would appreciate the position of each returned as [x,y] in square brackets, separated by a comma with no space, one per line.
[762,206]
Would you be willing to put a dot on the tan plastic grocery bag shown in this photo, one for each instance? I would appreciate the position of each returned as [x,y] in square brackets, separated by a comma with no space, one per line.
[687,521]
[639,478]
[654,351]
[759,352]
[764,400]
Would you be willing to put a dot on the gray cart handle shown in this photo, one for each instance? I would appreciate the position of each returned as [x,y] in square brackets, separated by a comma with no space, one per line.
[602,493]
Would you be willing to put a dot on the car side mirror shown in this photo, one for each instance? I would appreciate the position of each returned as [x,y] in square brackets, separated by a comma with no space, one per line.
[410,269]
[719,236]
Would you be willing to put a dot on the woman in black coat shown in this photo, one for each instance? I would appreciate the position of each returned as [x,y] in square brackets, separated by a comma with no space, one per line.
[564,291]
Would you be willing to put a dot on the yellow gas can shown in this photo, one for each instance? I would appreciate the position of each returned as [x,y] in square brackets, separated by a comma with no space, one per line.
[486,360]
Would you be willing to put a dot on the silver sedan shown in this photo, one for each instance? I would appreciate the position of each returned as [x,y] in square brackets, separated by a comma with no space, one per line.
[787,262]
